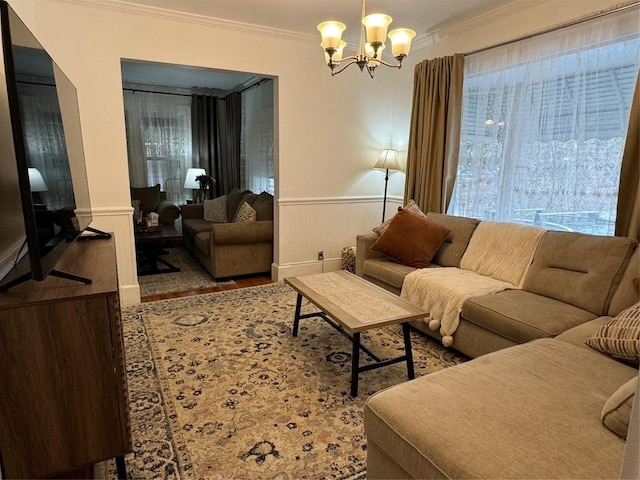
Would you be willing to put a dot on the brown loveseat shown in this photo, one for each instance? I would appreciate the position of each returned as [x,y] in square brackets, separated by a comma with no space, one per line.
[229,247]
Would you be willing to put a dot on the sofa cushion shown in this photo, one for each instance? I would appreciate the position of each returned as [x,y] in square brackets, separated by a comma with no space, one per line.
[523,316]
[263,205]
[411,239]
[245,214]
[149,197]
[620,336]
[628,291]
[454,246]
[501,250]
[530,411]
[193,226]
[591,264]
[616,413]
[202,242]
[386,270]
[411,206]
[234,200]
[216,210]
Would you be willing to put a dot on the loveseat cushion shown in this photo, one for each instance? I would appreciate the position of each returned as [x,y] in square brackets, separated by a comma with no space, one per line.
[263,205]
[523,316]
[454,246]
[234,200]
[529,411]
[202,242]
[579,269]
[193,226]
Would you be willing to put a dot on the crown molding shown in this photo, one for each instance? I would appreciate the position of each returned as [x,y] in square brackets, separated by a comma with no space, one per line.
[132,8]
[451,29]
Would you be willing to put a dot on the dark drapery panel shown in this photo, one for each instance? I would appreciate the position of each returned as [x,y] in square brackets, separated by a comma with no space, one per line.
[434,136]
[216,124]
[628,214]
[229,121]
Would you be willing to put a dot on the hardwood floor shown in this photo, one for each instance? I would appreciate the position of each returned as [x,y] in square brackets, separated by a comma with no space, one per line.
[240,282]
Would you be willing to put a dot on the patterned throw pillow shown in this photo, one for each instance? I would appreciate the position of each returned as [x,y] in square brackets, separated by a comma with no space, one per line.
[216,210]
[411,206]
[245,214]
[620,336]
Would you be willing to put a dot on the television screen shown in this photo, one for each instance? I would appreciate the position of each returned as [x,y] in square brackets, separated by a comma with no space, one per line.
[46,202]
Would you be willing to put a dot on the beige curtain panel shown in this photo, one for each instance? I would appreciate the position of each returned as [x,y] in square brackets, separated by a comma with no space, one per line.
[628,215]
[434,137]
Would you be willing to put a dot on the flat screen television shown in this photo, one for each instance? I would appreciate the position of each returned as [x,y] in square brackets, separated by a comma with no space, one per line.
[44,195]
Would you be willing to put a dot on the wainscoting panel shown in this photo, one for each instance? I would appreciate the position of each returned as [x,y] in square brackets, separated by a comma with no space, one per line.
[310,225]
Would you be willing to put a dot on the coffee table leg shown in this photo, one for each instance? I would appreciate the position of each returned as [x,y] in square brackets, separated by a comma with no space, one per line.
[355,363]
[406,333]
[296,318]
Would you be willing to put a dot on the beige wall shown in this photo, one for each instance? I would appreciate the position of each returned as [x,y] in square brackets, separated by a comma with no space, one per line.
[330,130]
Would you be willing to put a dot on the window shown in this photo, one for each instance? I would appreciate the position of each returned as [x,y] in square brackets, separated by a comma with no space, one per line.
[544,124]
[256,138]
[159,141]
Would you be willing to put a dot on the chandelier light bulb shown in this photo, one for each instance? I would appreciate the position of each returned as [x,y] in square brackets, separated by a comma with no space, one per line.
[331,34]
[376,25]
[401,41]
[337,56]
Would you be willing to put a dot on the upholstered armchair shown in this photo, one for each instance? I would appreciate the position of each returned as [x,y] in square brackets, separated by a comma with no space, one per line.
[153,200]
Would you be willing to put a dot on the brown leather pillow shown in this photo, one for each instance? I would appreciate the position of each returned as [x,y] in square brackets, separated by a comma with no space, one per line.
[411,239]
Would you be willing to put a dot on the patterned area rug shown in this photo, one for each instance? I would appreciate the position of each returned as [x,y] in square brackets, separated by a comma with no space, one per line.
[192,275]
[219,388]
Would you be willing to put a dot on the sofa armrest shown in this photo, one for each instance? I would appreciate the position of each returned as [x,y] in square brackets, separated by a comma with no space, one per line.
[239,233]
[167,211]
[363,250]
[195,210]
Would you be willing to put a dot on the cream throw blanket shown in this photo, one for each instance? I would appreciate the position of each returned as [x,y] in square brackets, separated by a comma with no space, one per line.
[497,258]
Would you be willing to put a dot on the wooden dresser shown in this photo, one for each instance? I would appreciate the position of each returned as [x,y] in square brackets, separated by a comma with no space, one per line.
[63,391]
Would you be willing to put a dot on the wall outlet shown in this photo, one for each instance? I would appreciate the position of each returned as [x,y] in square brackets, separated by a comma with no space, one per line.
[321,255]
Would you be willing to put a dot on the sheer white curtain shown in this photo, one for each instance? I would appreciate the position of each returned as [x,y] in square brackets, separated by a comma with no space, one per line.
[544,123]
[159,141]
[256,138]
[45,142]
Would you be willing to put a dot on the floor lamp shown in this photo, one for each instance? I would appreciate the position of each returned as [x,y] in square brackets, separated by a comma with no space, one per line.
[388,161]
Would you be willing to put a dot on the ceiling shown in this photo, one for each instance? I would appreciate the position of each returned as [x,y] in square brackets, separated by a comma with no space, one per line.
[300,17]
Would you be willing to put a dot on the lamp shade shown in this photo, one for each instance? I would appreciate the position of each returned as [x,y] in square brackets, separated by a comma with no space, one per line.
[388,160]
[401,41]
[190,180]
[376,26]
[36,182]
[337,56]
[331,33]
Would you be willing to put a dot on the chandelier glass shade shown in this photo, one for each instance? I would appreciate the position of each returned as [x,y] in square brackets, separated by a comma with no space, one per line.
[373,34]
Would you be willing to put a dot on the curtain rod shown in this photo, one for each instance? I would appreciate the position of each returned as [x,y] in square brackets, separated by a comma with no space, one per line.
[262,80]
[134,90]
[553,29]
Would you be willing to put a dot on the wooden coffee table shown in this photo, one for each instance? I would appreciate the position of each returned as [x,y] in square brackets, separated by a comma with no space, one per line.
[352,305]
[151,244]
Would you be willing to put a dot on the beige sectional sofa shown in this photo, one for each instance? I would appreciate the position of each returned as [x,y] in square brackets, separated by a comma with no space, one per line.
[530,404]
[569,279]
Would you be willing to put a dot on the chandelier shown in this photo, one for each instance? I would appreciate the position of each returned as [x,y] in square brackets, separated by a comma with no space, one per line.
[373,33]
